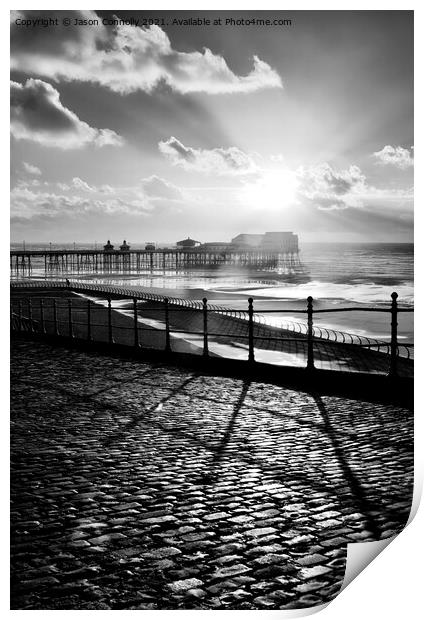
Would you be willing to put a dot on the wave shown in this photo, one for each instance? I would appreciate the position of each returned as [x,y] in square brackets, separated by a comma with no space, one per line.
[359,292]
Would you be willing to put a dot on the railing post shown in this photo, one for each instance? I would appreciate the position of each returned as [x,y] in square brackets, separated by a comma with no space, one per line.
[393,340]
[310,364]
[31,329]
[20,315]
[70,326]
[55,330]
[167,336]
[89,320]
[205,327]
[42,325]
[136,343]
[251,342]
[109,320]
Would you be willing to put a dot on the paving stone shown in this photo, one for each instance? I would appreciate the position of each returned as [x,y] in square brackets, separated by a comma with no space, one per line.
[185,584]
[216,516]
[197,536]
[79,543]
[241,519]
[164,552]
[266,513]
[334,542]
[196,593]
[223,586]
[159,520]
[310,586]
[226,559]
[315,571]
[230,571]
[329,523]
[164,564]
[40,582]
[257,532]
[327,515]
[227,549]
[311,560]
[272,558]
[106,538]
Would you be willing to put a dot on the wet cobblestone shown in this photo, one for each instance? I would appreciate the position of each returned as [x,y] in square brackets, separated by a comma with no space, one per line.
[142,486]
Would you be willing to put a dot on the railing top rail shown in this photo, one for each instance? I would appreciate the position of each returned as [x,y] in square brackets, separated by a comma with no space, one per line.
[142,294]
[211,307]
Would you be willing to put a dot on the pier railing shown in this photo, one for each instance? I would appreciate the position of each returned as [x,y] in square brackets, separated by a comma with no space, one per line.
[139,322]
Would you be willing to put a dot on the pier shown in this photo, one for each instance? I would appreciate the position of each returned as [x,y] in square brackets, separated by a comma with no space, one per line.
[23,261]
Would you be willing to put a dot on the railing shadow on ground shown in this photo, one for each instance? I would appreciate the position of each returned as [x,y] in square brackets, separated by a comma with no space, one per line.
[232,434]
[365,507]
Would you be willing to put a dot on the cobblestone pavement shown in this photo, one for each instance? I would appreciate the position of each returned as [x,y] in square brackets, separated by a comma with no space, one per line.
[142,486]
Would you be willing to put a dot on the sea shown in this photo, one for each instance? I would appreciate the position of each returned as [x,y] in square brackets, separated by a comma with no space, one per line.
[336,275]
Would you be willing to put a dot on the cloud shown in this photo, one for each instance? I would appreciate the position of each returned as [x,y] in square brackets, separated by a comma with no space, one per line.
[328,189]
[126,59]
[82,185]
[395,156]
[28,204]
[31,169]
[155,187]
[31,199]
[231,161]
[37,114]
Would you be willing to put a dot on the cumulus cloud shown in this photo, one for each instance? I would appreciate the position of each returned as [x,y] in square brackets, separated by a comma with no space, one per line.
[231,161]
[395,156]
[32,199]
[82,185]
[156,187]
[28,204]
[37,114]
[126,59]
[31,169]
[328,189]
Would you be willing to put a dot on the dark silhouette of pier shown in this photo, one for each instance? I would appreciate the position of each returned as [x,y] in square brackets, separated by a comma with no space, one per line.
[128,260]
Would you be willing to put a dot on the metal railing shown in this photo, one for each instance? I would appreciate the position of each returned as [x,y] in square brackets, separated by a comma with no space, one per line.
[75,318]
[298,327]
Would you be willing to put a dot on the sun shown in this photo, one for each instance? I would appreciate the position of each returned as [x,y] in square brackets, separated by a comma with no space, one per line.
[274,190]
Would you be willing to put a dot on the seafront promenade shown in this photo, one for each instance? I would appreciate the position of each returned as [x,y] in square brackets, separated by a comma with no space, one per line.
[142,485]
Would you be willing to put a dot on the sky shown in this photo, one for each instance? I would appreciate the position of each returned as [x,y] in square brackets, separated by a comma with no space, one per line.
[155,133]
